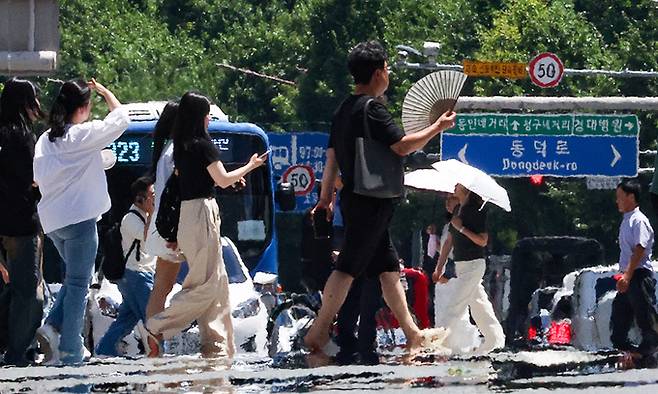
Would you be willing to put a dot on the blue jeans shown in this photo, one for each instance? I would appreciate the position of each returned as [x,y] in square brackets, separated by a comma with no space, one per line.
[77,245]
[135,288]
[21,300]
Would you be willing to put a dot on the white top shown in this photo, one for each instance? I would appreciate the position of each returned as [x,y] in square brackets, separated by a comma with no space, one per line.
[70,173]
[155,244]
[132,228]
[444,238]
[163,171]
[635,229]
[431,245]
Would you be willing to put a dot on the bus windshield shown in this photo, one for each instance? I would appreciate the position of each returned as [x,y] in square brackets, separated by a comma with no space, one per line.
[246,214]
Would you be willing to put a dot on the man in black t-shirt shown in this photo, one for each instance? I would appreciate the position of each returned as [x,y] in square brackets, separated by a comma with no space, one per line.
[367,248]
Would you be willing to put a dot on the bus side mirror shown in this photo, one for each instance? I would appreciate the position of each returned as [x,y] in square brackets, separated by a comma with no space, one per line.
[285,196]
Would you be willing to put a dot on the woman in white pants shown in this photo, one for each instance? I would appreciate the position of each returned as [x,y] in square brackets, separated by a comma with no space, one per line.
[467,337]
[468,238]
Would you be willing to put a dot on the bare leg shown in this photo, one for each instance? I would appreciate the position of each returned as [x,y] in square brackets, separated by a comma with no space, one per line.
[395,299]
[165,278]
[333,296]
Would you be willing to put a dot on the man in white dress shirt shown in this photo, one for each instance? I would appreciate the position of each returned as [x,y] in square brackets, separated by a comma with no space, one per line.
[636,287]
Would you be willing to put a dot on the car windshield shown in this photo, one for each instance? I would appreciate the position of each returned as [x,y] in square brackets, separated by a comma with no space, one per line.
[233,266]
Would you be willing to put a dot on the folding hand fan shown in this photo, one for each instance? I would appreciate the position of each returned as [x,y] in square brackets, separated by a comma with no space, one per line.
[429,98]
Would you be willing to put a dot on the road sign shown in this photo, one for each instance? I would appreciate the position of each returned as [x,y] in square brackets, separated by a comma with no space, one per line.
[306,148]
[301,177]
[557,145]
[539,124]
[602,182]
[562,156]
[495,69]
[546,70]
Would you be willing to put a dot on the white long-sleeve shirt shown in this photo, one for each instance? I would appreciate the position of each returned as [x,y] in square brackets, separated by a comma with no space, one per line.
[70,172]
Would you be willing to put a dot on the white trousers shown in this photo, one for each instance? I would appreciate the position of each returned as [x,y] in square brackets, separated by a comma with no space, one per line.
[453,300]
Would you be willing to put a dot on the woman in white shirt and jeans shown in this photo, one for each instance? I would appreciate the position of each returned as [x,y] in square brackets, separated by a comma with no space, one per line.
[69,171]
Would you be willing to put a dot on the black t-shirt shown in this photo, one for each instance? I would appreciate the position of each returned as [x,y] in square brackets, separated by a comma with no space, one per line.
[191,161]
[473,219]
[18,199]
[347,126]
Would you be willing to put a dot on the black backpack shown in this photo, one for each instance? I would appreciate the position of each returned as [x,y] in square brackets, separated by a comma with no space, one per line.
[114,259]
[166,221]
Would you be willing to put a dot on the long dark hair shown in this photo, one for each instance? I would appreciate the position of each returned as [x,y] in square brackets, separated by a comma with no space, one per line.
[162,132]
[190,125]
[475,200]
[18,96]
[72,95]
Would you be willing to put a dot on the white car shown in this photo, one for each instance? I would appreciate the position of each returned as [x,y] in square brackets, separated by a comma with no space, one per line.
[248,312]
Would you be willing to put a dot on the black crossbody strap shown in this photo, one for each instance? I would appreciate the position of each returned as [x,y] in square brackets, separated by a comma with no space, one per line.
[136,243]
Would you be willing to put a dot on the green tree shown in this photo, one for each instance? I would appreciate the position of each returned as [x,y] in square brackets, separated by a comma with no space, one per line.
[130,51]
[584,35]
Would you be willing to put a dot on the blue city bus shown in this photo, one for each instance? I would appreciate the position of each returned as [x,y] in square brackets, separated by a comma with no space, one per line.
[247,215]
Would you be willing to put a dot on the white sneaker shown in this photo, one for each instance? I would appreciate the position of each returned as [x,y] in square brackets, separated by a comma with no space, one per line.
[48,339]
[86,354]
[487,347]
[144,334]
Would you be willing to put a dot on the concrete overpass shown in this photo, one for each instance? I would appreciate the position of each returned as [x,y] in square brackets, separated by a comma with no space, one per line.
[29,37]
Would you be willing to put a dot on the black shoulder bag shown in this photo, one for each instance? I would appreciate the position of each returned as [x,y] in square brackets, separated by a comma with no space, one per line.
[378,171]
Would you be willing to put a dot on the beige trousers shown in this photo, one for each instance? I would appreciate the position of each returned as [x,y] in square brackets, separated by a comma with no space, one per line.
[204,296]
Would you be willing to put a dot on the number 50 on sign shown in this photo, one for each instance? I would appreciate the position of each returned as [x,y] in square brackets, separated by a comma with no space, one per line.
[546,70]
[301,177]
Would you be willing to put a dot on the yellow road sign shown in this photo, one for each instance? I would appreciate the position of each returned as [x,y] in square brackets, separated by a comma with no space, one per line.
[495,69]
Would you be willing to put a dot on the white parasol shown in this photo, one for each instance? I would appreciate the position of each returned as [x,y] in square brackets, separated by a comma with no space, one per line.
[428,180]
[475,180]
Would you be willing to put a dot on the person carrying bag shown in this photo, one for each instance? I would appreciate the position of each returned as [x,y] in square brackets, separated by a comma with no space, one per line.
[378,171]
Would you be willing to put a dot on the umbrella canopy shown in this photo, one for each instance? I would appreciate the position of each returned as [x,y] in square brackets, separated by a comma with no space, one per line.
[429,180]
[473,179]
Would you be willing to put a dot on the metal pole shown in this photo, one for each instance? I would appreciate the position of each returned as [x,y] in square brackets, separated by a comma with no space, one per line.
[31,27]
[402,64]
[541,103]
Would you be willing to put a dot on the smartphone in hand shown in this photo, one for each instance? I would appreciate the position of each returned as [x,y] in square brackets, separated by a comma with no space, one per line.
[321,227]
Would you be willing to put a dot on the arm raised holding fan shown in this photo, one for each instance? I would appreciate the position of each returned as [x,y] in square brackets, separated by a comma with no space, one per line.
[413,142]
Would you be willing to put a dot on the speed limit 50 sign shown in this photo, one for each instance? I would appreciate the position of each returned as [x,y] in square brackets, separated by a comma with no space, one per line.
[301,177]
[546,70]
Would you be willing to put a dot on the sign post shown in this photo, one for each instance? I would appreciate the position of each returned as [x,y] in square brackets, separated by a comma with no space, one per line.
[565,145]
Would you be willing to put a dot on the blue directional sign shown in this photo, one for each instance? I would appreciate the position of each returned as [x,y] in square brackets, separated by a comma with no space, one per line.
[562,156]
[563,145]
[299,149]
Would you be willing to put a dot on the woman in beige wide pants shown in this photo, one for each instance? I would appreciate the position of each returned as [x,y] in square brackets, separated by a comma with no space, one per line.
[204,296]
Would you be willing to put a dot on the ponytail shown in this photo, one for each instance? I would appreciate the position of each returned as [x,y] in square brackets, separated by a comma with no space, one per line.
[72,95]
